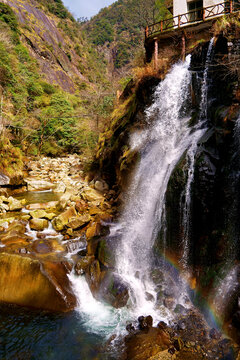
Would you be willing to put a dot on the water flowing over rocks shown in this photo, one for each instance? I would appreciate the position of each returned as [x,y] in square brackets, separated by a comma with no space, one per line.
[44,237]
[30,282]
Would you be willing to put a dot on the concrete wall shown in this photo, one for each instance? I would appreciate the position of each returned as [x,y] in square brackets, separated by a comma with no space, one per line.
[180,6]
[211,2]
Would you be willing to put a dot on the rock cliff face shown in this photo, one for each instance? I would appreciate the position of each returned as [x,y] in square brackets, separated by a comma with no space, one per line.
[215,199]
[53,50]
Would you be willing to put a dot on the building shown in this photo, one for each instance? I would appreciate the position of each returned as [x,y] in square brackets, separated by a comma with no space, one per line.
[197,10]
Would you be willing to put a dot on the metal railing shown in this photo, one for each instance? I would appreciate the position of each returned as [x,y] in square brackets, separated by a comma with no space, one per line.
[192,16]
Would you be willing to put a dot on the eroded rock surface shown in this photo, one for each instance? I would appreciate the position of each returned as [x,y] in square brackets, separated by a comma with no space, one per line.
[28,282]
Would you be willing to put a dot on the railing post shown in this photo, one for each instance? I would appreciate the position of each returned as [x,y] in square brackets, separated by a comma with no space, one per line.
[179,20]
[146,32]
[203,14]
[155,53]
[183,46]
[231,6]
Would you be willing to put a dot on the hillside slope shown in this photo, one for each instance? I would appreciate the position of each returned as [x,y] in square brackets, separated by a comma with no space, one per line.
[54,91]
[118,30]
[56,42]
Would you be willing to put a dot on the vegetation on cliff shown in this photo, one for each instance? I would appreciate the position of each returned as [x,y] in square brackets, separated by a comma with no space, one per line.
[55,95]
[119,28]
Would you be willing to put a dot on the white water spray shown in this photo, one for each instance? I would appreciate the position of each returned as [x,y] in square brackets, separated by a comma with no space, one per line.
[201,128]
[225,289]
[161,146]
[204,96]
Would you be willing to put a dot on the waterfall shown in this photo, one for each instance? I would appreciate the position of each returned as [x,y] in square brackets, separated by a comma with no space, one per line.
[201,128]
[204,95]
[166,137]
[161,146]
[187,193]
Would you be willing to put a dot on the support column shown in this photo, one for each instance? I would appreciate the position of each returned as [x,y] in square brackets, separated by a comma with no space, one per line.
[155,53]
[183,46]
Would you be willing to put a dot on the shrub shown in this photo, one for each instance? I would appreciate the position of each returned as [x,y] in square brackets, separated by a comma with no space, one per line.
[48,88]
[34,89]
[22,53]
[6,76]
[7,15]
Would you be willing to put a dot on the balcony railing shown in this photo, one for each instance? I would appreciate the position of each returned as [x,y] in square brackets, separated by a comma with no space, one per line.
[193,16]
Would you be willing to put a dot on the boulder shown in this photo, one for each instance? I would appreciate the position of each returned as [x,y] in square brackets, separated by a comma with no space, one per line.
[6,220]
[93,230]
[38,214]
[24,217]
[92,246]
[4,179]
[79,221]
[38,224]
[105,253]
[41,214]
[60,188]
[15,235]
[65,198]
[92,195]
[95,211]
[144,345]
[169,302]
[29,282]
[14,204]
[49,205]
[4,207]
[62,220]
[114,291]
[47,246]
[101,186]
[81,206]
[14,179]
[93,276]
[145,322]
[83,264]
[164,355]
[39,185]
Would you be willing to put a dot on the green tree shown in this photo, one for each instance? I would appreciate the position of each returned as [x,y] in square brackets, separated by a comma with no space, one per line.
[57,124]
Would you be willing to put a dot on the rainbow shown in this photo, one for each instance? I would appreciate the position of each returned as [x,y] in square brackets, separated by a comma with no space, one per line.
[206,307]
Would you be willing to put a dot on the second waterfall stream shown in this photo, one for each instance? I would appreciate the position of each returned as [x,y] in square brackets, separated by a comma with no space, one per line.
[166,138]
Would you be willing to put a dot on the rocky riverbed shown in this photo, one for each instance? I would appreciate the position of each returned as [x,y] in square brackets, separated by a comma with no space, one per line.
[187,338]
[56,223]
[42,241]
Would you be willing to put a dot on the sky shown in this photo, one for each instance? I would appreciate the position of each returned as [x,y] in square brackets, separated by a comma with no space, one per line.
[86,8]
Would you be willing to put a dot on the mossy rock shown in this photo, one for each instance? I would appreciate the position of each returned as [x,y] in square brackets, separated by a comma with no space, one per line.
[105,253]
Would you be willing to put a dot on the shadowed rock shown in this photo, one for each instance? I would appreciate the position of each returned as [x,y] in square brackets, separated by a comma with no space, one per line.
[29,282]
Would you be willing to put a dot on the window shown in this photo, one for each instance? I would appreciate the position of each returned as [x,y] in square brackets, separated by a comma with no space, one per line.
[195,10]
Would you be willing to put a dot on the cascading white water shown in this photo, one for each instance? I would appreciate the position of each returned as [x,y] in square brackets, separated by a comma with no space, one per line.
[187,203]
[237,133]
[161,146]
[191,156]
[225,289]
[204,92]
